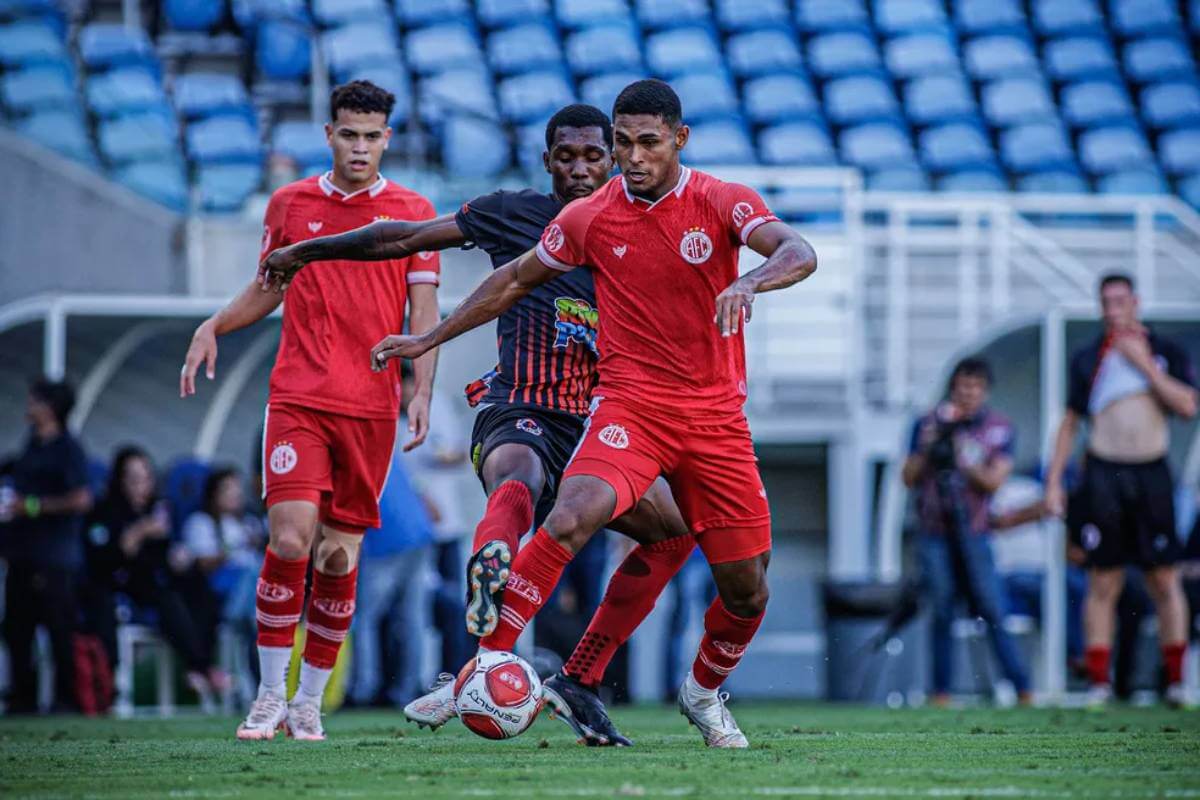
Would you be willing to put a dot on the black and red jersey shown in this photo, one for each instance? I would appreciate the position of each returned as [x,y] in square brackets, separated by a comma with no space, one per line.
[547,341]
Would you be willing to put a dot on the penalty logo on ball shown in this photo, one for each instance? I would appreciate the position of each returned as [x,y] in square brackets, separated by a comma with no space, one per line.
[498,695]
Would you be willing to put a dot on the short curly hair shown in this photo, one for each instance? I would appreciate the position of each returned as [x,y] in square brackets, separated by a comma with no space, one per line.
[363,97]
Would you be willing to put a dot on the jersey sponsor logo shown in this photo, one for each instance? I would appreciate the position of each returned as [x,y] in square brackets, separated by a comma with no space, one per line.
[524,587]
[342,609]
[283,458]
[575,321]
[527,425]
[614,436]
[425,255]
[619,252]
[274,592]
[266,244]
[695,246]
[741,213]
[315,226]
[553,238]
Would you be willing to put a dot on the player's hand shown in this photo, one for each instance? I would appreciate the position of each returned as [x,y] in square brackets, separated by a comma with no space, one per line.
[418,420]
[202,350]
[277,270]
[1136,348]
[1056,499]
[397,346]
[733,304]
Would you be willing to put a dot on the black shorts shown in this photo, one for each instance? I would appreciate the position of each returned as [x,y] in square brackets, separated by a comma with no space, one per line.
[553,435]
[1127,514]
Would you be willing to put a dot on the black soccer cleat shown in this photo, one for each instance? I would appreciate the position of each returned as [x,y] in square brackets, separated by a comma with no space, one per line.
[487,574]
[580,707]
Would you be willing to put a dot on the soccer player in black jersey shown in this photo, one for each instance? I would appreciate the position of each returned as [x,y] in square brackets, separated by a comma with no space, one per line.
[533,405]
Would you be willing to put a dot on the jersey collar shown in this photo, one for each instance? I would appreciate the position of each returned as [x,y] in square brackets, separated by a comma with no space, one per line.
[330,188]
[685,175]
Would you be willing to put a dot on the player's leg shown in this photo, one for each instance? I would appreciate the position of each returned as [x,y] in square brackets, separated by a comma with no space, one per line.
[1109,539]
[1166,589]
[1099,607]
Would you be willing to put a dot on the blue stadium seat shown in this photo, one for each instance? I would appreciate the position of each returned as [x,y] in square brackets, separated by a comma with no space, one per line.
[1093,103]
[1180,151]
[603,48]
[796,143]
[836,54]
[16,9]
[1189,188]
[1080,57]
[36,89]
[333,13]
[282,50]
[920,54]
[416,13]
[502,13]
[706,95]
[249,14]
[1158,59]
[675,52]
[825,16]
[1140,181]
[875,146]
[938,98]
[1171,105]
[395,80]
[779,98]
[535,95]
[974,180]
[1144,17]
[719,142]
[903,16]
[62,131]
[531,143]
[1037,147]
[441,47]
[1015,100]
[1056,182]
[203,94]
[225,187]
[738,15]
[474,148]
[123,91]
[144,136]
[525,48]
[602,90]
[222,140]
[1066,17]
[999,57]
[955,146]
[104,44]
[303,142]
[353,46]
[575,14]
[1106,150]
[29,43]
[659,14]
[466,91]
[861,98]
[989,16]
[762,53]
[193,15]
[162,181]
[901,179]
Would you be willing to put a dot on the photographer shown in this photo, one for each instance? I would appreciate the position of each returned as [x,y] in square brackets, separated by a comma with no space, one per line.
[960,454]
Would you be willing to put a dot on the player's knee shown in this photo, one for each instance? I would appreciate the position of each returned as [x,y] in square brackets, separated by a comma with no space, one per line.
[569,528]
[1161,583]
[337,552]
[748,600]
[290,542]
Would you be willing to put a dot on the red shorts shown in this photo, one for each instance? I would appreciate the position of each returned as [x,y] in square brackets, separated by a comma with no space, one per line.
[337,462]
[712,470]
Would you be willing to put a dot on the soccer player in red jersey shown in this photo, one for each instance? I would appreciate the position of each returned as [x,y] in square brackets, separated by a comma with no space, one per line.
[331,420]
[662,241]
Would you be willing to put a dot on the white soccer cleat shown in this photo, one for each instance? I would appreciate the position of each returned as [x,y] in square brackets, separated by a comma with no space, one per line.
[706,710]
[268,713]
[304,722]
[1098,697]
[1178,697]
[435,708]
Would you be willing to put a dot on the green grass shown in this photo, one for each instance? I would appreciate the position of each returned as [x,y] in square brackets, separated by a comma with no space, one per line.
[797,750]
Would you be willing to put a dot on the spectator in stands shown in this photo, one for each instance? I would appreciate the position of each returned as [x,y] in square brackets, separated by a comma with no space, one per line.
[42,506]
[960,454]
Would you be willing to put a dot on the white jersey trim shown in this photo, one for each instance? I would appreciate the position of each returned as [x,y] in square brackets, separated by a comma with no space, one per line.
[423,277]
[752,225]
[330,188]
[550,261]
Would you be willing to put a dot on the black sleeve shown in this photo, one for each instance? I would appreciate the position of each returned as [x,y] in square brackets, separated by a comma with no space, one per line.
[1079,386]
[482,221]
[1179,366]
[75,468]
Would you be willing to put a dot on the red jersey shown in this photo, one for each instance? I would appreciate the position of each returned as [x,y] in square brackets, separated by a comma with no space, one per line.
[334,312]
[658,269]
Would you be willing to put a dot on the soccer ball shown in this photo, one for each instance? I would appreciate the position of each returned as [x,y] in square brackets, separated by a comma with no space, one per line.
[498,695]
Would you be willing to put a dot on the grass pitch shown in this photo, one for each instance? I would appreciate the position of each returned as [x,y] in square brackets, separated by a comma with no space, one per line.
[798,750]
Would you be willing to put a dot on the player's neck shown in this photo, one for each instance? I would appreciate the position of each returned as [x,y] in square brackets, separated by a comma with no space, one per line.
[668,185]
[348,186]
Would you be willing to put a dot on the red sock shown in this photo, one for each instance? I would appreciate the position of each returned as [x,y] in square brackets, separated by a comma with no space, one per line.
[1096,658]
[535,573]
[724,643]
[508,516]
[630,596]
[1172,655]
[330,610]
[279,599]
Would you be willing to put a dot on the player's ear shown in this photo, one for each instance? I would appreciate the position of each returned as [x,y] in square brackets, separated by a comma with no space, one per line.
[546,160]
[329,133]
[387,136]
[681,136]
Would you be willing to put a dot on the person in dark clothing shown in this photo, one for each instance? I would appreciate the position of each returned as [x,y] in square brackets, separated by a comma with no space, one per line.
[41,515]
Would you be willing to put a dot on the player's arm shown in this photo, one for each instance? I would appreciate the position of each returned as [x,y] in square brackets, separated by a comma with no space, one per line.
[1178,396]
[790,259]
[423,316]
[247,308]
[1064,443]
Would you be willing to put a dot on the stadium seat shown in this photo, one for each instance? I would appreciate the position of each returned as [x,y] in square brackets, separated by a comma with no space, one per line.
[395,80]
[779,98]
[659,14]
[502,13]
[719,142]
[123,91]
[440,48]
[938,98]
[1159,59]
[1087,105]
[706,95]
[602,90]
[203,94]
[920,54]
[219,140]
[144,136]
[474,148]
[1171,105]
[192,15]
[36,89]
[875,146]
[1056,182]
[576,14]
[1144,17]
[796,143]
[225,187]
[303,142]
[825,16]
[738,15]
[1189,188]
[974,180]
[533,96]
[62,131]
[282,50]
[1106,150]
[904,16]
[16,9]
[332,13]
[1142,181]
[1080,57]
[161,181]
[989,16]
[353,46]
[531,143]
[861,98]
[1067,17]
[762,53]
[103,45]
[1037,147]
[1015,100]
[29,43]
[837,54]
[674,52]
[525,48]
[901,179]
[249,14]
[1180,151]
[955,147]
[992,57]
[416,13]
[466,91]
[603,48]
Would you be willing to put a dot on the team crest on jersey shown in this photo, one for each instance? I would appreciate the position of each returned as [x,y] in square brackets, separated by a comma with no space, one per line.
[283,458]
[425,255]
[526,425]
[614,436]
[575,321]
[315,226]
[695,247]
[553,238]
[741,213]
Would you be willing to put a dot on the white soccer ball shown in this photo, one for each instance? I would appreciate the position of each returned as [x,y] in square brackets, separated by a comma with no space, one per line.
[498,695]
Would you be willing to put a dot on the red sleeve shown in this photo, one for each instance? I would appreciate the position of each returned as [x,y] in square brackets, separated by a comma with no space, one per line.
[741,210]
[274,233]
[425,266]
[562,244]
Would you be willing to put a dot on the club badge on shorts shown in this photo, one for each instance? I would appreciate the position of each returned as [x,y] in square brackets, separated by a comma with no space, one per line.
[283,458]
[526,425]
[615,436]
